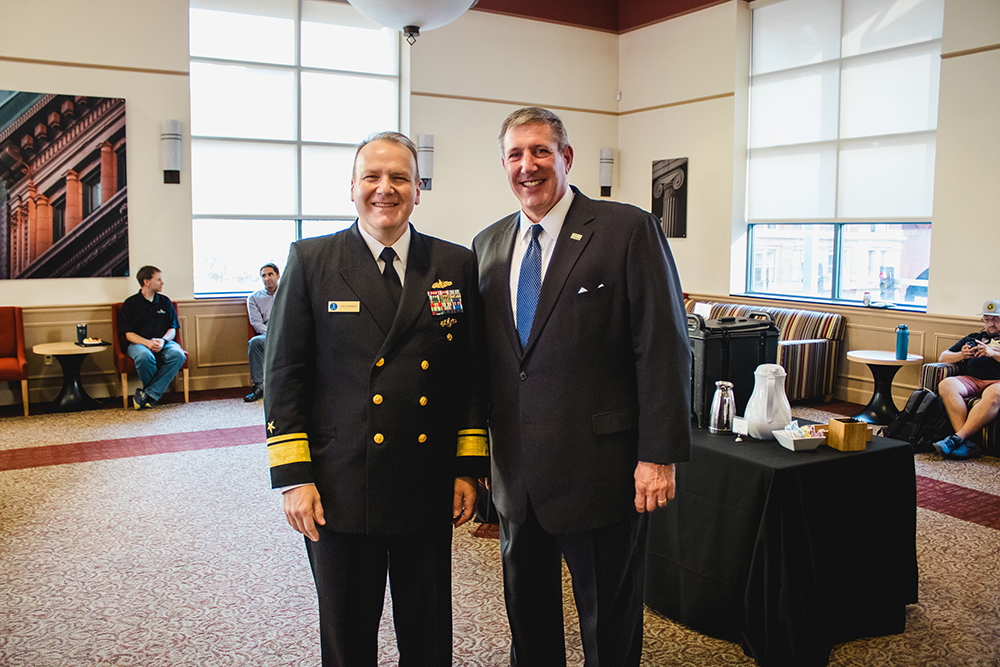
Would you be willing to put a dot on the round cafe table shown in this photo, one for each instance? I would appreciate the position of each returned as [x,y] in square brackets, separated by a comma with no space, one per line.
[883,364]
[72,397]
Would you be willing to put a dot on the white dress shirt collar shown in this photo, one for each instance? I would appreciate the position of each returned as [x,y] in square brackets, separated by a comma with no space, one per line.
[401,246]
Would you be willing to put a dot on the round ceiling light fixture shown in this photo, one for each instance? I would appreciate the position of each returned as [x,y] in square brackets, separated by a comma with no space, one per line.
[412,16]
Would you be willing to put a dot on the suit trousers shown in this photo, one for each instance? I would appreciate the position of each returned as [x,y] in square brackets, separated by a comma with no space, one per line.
[255,354]
[607,565]
[350,573]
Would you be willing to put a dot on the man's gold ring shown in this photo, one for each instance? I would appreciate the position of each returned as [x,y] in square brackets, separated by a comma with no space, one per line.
[661,503]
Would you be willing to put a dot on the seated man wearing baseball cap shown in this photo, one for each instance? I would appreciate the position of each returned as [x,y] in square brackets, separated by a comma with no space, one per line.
[979,356]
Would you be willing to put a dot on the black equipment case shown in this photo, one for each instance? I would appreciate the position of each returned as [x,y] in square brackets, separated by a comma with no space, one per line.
[729,348]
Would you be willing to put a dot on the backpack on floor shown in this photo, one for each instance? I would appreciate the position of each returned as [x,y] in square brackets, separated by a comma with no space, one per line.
[922,422]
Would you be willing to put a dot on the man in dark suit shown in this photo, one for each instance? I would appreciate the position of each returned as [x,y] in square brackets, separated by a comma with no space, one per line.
[590,397]
[375,412]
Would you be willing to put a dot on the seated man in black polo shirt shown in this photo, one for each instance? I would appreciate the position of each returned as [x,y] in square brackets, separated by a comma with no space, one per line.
[978,354]
[149,323]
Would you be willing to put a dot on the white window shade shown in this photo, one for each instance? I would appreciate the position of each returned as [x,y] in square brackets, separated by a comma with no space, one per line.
[792,183]
[889,178]
[326,180]
[231,177]
[335,36]
[795,33]
[232,35]
[213,87]
[876,25]
[891,94]
[795,107]
[228,253]
[332,112]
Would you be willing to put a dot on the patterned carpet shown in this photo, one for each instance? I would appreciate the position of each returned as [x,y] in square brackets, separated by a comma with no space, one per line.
[152,539]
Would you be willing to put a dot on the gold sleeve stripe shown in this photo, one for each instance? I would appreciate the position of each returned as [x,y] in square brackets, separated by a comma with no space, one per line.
[287,436]
[472,445]
[293,451]
[473,431]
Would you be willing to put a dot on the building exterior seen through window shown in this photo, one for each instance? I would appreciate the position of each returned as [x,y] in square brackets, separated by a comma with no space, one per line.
[281,94]
[843,117]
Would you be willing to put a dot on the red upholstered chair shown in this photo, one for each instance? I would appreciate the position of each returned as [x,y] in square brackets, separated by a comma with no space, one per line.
[13,361]
[124,364]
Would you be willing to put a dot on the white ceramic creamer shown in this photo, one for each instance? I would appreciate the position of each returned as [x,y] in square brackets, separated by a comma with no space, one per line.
[768,409]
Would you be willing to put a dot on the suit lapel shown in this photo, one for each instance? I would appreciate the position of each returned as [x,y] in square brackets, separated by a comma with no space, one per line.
[361,274]
[573,238]
[502,253]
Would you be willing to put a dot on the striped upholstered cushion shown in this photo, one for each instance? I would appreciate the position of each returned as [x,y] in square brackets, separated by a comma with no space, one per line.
[808,345]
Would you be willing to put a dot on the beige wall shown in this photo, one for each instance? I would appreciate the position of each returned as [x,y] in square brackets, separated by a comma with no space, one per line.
[683,86]
[135,49]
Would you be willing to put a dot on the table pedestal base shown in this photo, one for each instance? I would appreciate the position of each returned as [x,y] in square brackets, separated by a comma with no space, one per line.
[72,397]
[881,409]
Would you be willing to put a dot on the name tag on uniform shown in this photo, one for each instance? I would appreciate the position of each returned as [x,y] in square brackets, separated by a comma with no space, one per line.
[343,307]
[445,301]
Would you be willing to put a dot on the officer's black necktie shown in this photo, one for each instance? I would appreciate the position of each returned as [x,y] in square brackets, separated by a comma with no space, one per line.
[390,276]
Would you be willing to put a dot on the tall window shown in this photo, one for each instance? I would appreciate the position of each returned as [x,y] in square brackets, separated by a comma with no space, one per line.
[281,94]
[843,114]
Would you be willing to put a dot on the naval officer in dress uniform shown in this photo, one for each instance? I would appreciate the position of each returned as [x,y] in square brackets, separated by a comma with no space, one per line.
[375,412]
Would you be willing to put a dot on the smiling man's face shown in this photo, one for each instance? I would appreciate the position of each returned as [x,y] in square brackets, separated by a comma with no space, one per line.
[536,167]
[384,189]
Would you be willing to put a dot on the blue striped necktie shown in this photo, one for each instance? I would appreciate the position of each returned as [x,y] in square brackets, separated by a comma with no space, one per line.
[529,285]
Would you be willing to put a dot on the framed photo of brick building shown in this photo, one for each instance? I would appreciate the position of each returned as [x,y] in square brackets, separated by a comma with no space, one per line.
[63,186]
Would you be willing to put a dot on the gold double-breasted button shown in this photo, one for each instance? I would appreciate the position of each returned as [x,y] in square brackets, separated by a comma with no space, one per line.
[380,362]
[422,438]
[379,438]
[450,336]
[425,364]
[377,399]
[423,400]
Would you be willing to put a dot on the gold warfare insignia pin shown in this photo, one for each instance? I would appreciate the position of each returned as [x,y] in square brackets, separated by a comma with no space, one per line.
[449,322]
[441,284]
[445,302]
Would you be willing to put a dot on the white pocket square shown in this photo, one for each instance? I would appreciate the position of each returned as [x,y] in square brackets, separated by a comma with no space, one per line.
[582,290]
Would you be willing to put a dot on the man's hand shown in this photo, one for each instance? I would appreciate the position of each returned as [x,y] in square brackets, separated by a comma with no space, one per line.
[980,349]
[464,506]
[155,344]
[304,510]
[654,486]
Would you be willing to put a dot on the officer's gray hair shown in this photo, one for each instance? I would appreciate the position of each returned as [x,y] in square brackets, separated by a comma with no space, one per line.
[394,137]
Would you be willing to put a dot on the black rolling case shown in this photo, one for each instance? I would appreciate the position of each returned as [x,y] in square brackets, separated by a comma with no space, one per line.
[729,348]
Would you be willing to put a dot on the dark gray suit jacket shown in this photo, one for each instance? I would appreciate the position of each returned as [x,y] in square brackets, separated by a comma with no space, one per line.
[380,409]
[604,381]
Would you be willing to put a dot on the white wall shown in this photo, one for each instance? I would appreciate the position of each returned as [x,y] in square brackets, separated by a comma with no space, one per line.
[966,231]
[486,66]
[679,63]
[109,35]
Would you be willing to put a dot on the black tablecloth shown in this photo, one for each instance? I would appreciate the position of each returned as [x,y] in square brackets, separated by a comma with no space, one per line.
[786,552]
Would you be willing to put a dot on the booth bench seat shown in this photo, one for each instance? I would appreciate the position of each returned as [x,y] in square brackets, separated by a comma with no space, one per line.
[808,343]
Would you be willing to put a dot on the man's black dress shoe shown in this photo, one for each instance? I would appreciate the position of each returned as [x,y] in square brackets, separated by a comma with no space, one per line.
[255,395]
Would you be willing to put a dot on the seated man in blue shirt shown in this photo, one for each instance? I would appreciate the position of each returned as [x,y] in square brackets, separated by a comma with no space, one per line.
[259,309]
[149,323]
[979,357]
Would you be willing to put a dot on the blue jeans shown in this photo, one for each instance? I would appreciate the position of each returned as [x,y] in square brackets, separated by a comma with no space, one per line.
[157,370]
